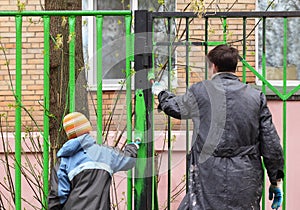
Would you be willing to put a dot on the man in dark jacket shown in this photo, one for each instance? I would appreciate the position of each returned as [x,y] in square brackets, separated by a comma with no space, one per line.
[233,129]
[81,179]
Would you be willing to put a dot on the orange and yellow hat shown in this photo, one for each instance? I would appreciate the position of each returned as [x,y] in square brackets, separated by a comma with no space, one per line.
[76,124]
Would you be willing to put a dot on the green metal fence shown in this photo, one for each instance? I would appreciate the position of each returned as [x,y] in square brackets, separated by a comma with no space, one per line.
[284,95]
[18,85]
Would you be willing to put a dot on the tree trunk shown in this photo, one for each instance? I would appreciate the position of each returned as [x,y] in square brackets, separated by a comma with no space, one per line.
[59,72]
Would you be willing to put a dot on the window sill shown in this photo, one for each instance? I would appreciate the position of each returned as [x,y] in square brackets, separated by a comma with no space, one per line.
[111,84]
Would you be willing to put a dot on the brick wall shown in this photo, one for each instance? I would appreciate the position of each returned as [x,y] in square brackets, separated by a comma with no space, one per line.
[234,34]
[32,66]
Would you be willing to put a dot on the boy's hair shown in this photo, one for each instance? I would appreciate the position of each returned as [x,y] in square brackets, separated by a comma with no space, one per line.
[224,57]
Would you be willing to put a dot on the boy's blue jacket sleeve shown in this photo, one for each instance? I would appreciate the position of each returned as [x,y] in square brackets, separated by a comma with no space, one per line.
[124,160]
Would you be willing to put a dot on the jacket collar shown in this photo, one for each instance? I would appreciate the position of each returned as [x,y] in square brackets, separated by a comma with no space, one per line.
[74,145]
[225,75]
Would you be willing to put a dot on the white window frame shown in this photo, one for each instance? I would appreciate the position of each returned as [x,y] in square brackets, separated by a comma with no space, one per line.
[107,84]
[277,83]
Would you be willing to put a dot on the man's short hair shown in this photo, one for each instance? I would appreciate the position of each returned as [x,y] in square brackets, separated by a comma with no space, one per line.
[224,57]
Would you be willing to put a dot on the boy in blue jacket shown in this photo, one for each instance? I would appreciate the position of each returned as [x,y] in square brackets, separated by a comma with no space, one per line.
[82,176]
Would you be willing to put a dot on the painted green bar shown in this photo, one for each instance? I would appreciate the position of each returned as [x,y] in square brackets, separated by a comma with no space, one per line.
[277,92]
[128,102]
[72,22]
[141,163]
[292,92]
[216,43]
[244,47]
[225,29]
[99,25]
[46,108]
[18,98]
[264,55]
[68,13]
[285,45]
[284,154]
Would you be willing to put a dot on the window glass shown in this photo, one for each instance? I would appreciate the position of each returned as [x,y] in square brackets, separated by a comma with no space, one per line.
[113,39]
[275,41]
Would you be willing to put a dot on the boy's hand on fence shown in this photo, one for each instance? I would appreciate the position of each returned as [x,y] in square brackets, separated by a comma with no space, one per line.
[137,143]
[157,87]
[276,194]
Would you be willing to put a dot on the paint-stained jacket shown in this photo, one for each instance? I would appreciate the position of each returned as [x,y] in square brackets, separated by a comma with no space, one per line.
[232,130]
[82,177]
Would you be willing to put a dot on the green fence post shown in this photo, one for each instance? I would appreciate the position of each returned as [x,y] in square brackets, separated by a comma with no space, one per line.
[99,24]
[72,22]
[46,109]
[128,101]
[141,164]
[18,99]
[285,44]
[142,57]
[225,29]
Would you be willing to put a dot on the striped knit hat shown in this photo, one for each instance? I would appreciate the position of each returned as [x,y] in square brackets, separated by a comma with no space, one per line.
[76,124]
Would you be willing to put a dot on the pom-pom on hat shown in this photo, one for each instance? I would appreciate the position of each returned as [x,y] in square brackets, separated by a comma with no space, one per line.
[76,124]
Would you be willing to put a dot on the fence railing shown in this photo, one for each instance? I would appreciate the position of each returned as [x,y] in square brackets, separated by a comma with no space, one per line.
[18,85]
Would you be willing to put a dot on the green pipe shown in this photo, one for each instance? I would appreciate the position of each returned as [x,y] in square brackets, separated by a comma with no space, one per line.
[128,102]
[244,47]
[141,163]
[284,154]
[225,29]
[72,22]
[68,13]
[275,90]
[187,83]
[285,45]
[264,55]
[292,92]
[18,99]
[264,91]
[46,108]
[215,43]
[99,25]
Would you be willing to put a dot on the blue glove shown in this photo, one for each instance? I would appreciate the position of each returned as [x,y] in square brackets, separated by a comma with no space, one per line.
[157,87]
[276,192]
[137,143]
